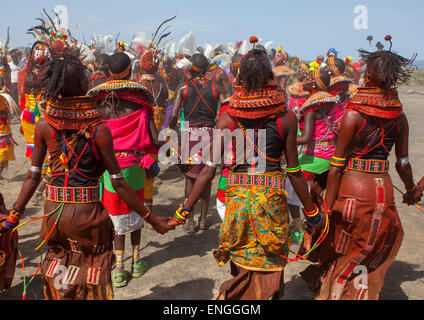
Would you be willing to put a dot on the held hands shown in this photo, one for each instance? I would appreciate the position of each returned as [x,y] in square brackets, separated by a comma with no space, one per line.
[160,224]
[413,196]
[315,223]
[180,217]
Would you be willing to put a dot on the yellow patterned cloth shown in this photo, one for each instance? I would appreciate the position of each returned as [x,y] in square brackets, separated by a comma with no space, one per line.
[158,116]
[6,139]
[255,232]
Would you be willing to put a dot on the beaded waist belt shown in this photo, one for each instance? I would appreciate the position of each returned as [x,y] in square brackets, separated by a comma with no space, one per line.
[262,180]
[320,144]
[126,154]
[372,166]
[72,195]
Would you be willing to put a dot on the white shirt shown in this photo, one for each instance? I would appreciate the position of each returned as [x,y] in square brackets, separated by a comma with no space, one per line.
[14,72]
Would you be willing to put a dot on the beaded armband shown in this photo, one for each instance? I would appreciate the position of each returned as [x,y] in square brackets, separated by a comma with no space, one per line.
[294,170]
[182,214]
[338,162]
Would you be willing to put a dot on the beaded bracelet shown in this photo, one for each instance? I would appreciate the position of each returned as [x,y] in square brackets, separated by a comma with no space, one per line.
[12,219]
[315,222]
[294,170]
[179,215]
[147,214]
[338,162]
[14,215]
[312,213]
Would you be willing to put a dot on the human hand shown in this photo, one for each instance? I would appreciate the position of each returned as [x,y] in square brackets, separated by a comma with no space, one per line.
[160,224]
[3,227]
[412,197]
[311,234]
[420,185]
[172,223]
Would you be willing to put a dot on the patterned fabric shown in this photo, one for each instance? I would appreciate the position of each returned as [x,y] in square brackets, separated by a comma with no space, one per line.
[255,232]
[377,103]
[256,103]
[71,113]
[7,143]
[317,101]
[373,166]
[72,195]
[244,179]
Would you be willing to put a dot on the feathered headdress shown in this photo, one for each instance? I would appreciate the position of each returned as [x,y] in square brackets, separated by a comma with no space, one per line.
[187,44]
[149,60]
[56,39]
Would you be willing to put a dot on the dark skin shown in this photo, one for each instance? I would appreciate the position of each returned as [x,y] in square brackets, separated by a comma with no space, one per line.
[104,144]
[189,182]
[310,118]
[290,151]
[351,123]
[420,185]
[221,77]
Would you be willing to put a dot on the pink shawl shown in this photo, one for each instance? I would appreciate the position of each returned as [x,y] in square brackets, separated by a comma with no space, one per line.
[131,133]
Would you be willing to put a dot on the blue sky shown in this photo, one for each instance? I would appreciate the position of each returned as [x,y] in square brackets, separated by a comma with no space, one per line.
[303,28]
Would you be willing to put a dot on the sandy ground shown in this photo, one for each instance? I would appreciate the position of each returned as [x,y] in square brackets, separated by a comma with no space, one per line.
[181,266]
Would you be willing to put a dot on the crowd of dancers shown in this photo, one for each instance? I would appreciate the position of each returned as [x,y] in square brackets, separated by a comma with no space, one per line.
[93,121]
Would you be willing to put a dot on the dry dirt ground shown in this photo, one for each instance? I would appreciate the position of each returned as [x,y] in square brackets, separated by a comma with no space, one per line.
[181,266]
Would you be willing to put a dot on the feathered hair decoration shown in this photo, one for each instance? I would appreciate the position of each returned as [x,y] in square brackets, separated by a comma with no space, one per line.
[56,40]
[162,35]
[149,60]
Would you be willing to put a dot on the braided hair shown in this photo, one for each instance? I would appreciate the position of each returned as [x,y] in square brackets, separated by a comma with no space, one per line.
[64,76]
[235,60]
[255,69]
[386,69]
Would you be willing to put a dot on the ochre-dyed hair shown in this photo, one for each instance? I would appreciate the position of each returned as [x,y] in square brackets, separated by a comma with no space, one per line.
[149,62]
[387,69]
[255,70]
